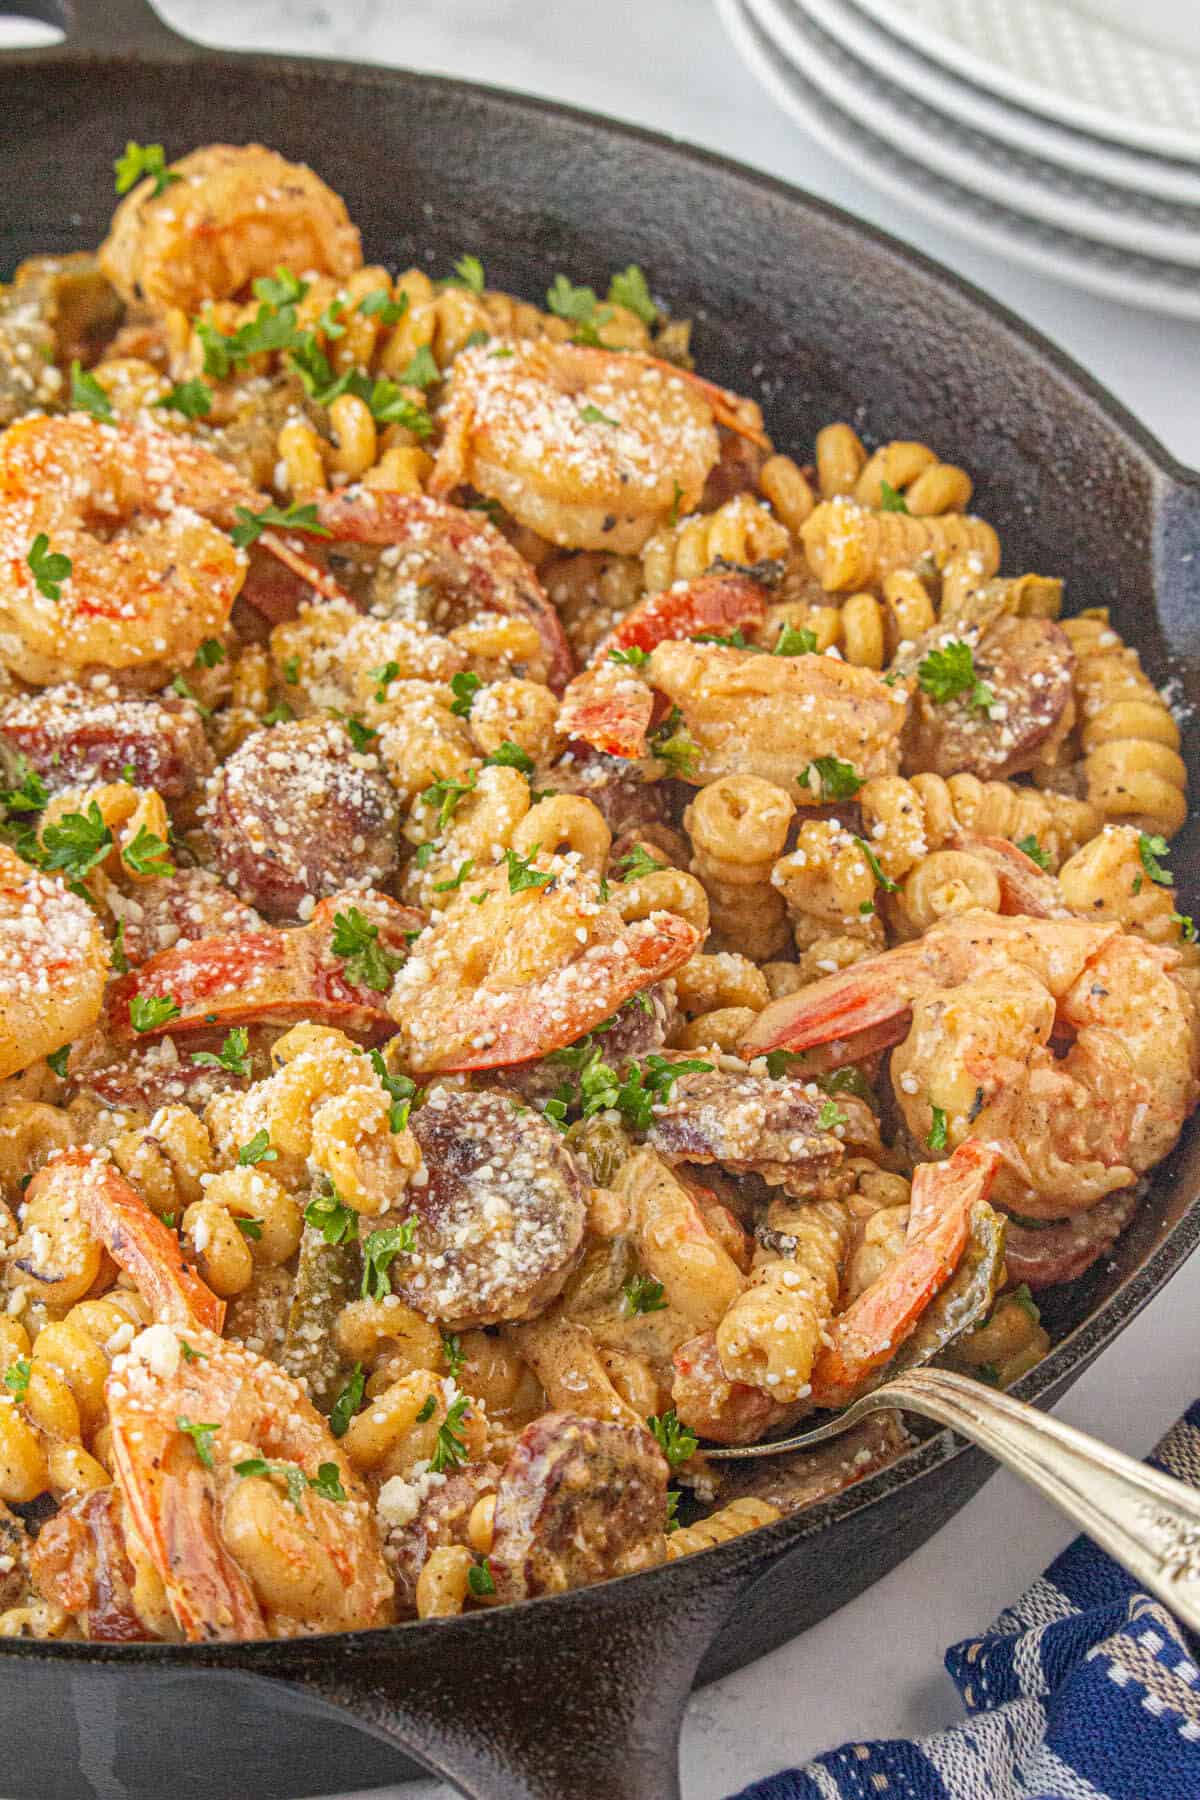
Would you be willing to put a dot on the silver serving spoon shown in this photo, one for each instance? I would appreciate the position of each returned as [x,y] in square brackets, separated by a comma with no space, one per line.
[1147,1521]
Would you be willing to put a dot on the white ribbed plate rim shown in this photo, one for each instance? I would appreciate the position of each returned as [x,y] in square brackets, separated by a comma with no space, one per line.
[891,58]
[1026,184]
[1098,268]
[992,42]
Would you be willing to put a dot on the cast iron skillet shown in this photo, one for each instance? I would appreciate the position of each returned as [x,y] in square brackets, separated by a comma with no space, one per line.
[582,1694]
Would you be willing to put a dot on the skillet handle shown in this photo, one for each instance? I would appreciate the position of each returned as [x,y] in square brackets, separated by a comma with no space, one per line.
[103,27]
[581,1695]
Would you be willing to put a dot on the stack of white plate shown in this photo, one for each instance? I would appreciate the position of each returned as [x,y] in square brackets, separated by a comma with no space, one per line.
[1064,134]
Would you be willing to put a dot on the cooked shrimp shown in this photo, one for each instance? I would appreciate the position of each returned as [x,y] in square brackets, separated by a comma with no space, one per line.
[235,212]
[239,1554]
[972,1007]
[590,448]
[53,963]
[83,1185]
[135,512]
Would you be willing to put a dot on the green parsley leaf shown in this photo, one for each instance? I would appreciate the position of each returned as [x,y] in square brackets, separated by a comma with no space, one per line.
[427,1410]
[368,962]
[451,1447]
[445,793]
[201,1436]
[327,1482]
[672,1523]
[210,653]
[233,1055]
[180,686]
[348,1402]
[937,1135]
[633,657]
[448,887]
[88,396]
[291,670]
[628,288]
[884,881]
[251,525]
[672,745]
[1033,850]
[279,715]
[1025,1300]
[522,875]
[281,289]
[946,673]
[452,1351]
[147,855]
[780,1062]
[480,1580]
[578,304]
[390,406]
[77,842]
[30,794]
[329,1214]
[148,1012]
[361,735]
[847,1081]
[380,305]
[638,862]
[838,780]
[424,855]
[1187,926]
[734,640]
[257,1150]
[50,568]
[830,1116]
[676,497]
[250,1228]
[219,355]
[795,642]
[591,415]
[1150,849]
[191,398]
[642,1294]
[400,1090]
[891,499]
[468,273]
[291,1475]
[143,162]
[329,320]
[556,1111]
[185,1349]
[675,1441]
[509,756]
[116,950]
[422,371]
[16,1377]
[379,1252]
[476,338]
[57,1060]
[464,687]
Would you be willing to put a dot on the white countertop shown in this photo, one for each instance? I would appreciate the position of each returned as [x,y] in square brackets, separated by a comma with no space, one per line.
[875,1668]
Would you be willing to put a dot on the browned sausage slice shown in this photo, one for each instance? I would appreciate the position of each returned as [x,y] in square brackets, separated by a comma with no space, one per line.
[298,812]
[69,736]
[580,1500]
[749,1124]
[1042,1256]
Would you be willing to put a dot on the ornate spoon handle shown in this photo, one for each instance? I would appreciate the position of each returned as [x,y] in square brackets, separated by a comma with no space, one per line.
[1147,1521]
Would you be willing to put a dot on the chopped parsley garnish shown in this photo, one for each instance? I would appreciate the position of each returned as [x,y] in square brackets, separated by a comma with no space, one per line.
[452,1351]
[937,1131]
[795,641]
[509,756]
[400,1090]
[147,855]
[429,1407]
[88,396]
[116,950]
[672,1523]
[638,862]
[480,1580]
[147,1012]
[210,653]
[185,1349]
[468,273]
[675,1441]
[424,855]
[329,1214]
[380,305]
[947,673]
[672,745]
[830,1116]
[250,525]
[57,1060]
[676,497]
[201,1436]
[281,289]
[50,567]
[422,371]
[635,1092]
[348,1402]
[16,1377]
[76,843]
[522,875]
[361,735]
[632,657]
[143,162]
[1025,1300]
[234,1054]
[291,670]
[891,499]
[445,793]
[642,1294]
[451,1447]
[780,1062]
[1150,849]
[1187,926]
[329,320]
[29,795]
[281,714]
[579,306]
[847,1081]
[257,1150]
[326,1482]
[191,398]
[628,288]
[837,780]
[380,1250]
[464,686]
[356,941]
[591,415]
[456,881]
[181,687]
[733,640]
[250,1228]
[884,881]
[1030,847]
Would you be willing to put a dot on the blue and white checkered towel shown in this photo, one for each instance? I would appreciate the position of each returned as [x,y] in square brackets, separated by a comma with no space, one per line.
[1085,1690]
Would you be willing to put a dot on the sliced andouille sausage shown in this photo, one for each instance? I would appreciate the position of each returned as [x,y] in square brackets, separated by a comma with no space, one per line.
[184,907]
[500,1216]
[1025,666]
[1043,1255]
[69,736]
[749,1124]
[580,1500]
[297,812]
